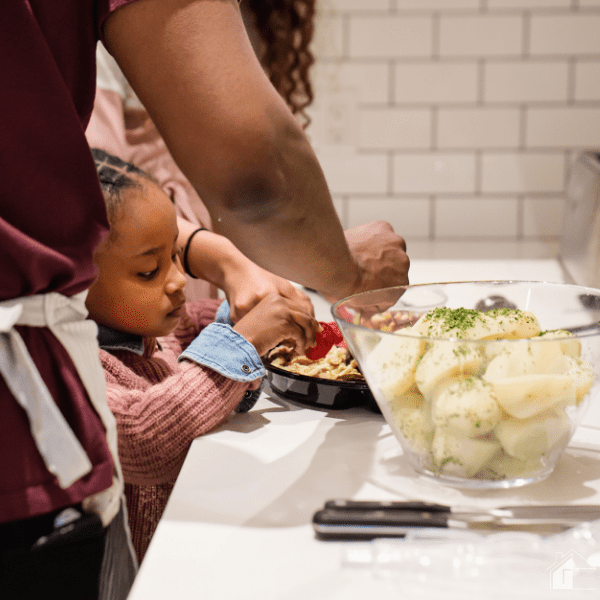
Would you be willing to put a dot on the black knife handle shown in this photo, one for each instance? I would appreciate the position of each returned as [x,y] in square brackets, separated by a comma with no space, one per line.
[349,524]
[370,505]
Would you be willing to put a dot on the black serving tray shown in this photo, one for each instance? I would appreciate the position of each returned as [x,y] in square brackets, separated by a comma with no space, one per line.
[317,392]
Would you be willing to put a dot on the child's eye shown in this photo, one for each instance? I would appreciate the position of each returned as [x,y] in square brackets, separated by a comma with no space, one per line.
[177,255]
[148,275]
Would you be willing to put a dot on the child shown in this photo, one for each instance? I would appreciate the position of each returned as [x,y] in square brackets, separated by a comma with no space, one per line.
[173,371]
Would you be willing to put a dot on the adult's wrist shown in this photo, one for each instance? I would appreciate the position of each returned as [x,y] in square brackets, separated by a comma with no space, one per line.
[350,283]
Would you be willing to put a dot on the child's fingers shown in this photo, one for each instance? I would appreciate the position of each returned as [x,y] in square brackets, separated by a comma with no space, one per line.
[304,302]
[299,300]
[305,331]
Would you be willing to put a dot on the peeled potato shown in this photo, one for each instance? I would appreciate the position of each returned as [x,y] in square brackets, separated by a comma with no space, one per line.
[525,358]
[528,439]
[570,347]
[462,323]
[582,375]
[467,407]
[458,323]
[412,398]
[515,324]
[530,377]
[461,456]
[529,395]
[494,348]
[443,362]
[393,363]
[411,415]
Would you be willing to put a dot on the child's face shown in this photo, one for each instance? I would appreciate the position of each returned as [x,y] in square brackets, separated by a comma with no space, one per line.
[140,286]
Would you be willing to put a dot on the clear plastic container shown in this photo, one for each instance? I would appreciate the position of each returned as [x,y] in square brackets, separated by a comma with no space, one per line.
[461,565]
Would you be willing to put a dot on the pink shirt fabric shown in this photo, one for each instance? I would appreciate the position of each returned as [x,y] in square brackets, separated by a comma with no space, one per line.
[161,406]
[52,216]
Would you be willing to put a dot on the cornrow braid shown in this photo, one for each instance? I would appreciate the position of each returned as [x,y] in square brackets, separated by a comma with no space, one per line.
[115,175]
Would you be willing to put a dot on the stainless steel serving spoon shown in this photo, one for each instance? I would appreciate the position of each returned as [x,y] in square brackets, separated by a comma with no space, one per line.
[492,302]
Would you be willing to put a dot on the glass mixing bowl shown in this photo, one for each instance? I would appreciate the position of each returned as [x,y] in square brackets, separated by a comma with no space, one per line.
[482,383]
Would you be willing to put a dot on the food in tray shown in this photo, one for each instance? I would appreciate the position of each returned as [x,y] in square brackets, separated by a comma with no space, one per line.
[329,359]
[486,410]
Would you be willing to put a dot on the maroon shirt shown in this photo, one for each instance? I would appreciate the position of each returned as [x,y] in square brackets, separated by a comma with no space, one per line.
[52,216]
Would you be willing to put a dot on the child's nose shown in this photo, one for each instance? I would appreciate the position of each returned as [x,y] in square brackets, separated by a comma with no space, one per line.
[176,280]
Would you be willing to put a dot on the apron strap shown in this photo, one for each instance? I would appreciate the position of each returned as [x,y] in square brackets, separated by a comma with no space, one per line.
[59,447]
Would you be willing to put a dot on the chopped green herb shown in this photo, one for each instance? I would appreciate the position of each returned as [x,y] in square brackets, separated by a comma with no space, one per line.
[449,319]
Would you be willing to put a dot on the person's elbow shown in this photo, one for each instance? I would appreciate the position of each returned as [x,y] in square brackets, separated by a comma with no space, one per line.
[262,180]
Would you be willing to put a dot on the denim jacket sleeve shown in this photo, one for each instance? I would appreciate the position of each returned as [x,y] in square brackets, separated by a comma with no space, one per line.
[224,350]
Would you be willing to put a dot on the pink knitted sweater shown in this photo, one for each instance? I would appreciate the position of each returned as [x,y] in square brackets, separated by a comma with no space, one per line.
[160,406]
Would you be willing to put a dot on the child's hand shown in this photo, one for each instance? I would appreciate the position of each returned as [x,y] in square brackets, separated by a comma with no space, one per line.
[276,319]
[243,296]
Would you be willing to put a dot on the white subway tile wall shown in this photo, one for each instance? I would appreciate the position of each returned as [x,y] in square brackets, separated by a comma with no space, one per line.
[455,119]
[497,218]
[399,212]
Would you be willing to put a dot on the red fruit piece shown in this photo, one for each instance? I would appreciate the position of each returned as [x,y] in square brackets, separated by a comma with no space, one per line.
[336,333]
[328,337]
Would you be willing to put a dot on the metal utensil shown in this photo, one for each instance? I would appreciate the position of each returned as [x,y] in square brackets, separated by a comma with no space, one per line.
[590,301]
[493,302]
[351,519]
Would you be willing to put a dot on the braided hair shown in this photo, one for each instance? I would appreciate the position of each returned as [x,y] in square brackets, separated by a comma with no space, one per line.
[116,175]
[286,30]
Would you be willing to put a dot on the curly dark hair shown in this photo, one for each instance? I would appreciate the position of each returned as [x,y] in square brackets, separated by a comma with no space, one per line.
[286,30]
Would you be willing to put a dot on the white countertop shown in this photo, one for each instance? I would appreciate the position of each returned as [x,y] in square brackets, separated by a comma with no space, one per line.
[238,524]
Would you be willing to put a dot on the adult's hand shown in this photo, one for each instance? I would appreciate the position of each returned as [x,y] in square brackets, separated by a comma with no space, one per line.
[380,254]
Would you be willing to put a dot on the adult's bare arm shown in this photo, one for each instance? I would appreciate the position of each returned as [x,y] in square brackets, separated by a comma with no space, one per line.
[192,65]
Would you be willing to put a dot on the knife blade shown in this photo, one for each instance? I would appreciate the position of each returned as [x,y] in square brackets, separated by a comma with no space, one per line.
[575,513]
[352,519]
